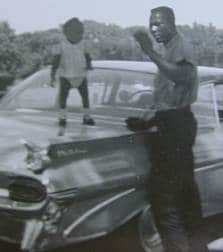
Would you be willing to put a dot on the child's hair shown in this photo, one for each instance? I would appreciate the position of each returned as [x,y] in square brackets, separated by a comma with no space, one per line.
[73,29]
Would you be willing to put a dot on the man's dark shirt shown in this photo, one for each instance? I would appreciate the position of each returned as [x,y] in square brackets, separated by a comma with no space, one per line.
[167,94]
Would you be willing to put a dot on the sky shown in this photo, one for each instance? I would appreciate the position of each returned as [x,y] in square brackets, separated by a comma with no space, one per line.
[34,15]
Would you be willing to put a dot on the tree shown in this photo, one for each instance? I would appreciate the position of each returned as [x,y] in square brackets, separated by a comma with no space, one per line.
[10,57]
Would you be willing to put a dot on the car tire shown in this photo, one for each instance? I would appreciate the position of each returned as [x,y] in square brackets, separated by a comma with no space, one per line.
[148,235]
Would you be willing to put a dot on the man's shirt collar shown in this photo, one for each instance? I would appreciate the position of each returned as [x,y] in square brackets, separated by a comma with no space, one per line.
[173,41]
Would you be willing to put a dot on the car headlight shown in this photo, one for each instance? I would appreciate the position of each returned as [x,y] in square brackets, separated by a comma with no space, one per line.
[21,188]
[26,190]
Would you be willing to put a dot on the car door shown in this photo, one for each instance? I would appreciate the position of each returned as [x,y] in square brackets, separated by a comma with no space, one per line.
[208,151]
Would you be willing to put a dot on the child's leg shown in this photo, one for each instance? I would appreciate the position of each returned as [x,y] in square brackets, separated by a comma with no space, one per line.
[63,92]
[83,90]
[62,100]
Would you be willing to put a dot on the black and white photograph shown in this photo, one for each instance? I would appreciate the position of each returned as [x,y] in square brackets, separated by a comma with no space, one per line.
[111,115]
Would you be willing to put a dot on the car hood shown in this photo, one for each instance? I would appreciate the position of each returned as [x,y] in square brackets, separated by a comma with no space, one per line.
[41,129]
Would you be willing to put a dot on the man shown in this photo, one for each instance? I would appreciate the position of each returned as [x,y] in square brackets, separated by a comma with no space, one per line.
[173,192]
[72,63]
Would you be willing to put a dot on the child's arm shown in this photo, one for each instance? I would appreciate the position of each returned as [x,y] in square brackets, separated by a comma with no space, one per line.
[88,61]
[56,53]
[55,65]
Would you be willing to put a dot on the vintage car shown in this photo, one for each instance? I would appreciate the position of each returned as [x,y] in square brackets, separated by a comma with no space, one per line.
[57,190]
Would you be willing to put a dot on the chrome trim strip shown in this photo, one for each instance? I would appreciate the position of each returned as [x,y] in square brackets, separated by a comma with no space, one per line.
[11,205]
[210,167]
[86,238]
[103,233]
[93,210]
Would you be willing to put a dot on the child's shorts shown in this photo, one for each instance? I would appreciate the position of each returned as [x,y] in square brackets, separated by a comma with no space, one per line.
[75,82]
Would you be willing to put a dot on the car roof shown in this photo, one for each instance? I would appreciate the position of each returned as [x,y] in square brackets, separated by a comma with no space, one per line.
[137,66]
[204,72]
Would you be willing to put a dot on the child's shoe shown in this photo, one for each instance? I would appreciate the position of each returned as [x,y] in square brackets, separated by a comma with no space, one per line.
[88,120]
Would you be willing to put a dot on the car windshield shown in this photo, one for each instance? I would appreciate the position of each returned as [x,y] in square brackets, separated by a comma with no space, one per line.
[112,92]
[107,89]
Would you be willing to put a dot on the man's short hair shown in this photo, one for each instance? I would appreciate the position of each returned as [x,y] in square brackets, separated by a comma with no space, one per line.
[167,12]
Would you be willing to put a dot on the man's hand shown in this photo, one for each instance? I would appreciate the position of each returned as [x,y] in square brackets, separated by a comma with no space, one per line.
[138,123]
[144,41]
[135,123]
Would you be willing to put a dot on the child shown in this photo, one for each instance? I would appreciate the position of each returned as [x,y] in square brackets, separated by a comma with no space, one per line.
[72,64]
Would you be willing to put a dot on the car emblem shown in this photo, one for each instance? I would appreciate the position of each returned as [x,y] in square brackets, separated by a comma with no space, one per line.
[37,158]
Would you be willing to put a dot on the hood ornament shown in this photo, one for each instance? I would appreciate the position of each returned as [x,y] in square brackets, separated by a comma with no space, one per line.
[37,158]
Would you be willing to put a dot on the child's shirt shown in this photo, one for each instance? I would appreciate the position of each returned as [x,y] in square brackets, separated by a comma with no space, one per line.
[72,61]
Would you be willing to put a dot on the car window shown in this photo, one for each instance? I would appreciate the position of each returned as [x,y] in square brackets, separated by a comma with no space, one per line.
[206,107]
[121,88]
[219,95]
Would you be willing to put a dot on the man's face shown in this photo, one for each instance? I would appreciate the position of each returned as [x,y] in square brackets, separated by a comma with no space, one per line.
[160,28]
